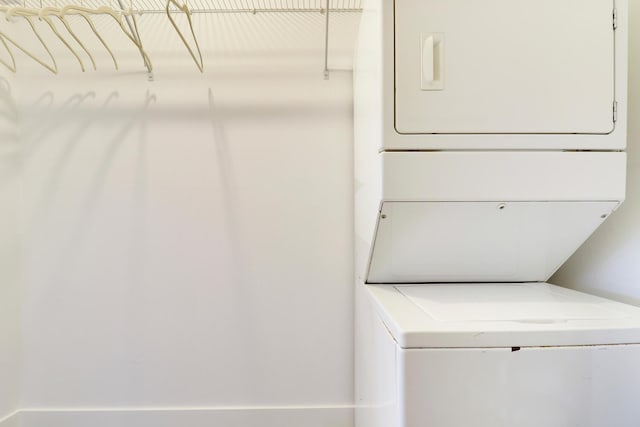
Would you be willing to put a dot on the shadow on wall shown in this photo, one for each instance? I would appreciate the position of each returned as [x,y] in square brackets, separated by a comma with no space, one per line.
[184,248]
[91,226]
[10,254]
[101,236]
[71,118]
[9,140]
[71,149]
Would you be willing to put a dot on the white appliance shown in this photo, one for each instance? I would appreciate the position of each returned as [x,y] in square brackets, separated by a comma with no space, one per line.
[490,141]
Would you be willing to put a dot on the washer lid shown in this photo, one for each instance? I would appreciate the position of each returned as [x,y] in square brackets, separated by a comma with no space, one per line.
[502,315]
[505,303]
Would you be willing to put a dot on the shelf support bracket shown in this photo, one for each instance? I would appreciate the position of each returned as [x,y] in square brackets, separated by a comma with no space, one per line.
[326,41]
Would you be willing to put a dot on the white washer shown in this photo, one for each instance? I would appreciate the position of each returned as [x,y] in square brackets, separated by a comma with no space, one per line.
[494,355]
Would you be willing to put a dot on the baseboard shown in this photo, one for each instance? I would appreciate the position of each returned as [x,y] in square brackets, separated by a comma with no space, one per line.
[197,417]
[12,420]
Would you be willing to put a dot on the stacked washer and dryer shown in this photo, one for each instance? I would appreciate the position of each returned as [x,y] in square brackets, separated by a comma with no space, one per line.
[490,140]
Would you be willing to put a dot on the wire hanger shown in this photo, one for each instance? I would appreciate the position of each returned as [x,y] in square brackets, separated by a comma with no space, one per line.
[59,14]
[184,8]
[135,38]
[85,12]
[11,67]
[9,13]
[44,14]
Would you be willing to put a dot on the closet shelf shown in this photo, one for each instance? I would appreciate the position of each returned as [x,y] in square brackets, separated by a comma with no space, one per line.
[55,13]
[208,6]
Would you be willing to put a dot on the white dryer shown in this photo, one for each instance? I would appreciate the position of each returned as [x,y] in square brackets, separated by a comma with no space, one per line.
[489,145]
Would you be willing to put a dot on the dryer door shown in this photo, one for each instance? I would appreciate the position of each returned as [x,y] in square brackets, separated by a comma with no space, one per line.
[504,66]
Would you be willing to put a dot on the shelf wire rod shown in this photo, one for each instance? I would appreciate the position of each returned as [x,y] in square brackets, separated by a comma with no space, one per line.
[249,10]
[326,42]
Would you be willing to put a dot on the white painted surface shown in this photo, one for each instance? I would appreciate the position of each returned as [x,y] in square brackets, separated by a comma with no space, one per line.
[375,69]
[376,368]
[550,61]
[556,386]
[608,264]
[187,417]
[368,134]
[189,240]
[490,176]
[180,257]
[440,242]
[12,420]
[574,373]
[555,317]
[532,387]
[505,302]
[10,250]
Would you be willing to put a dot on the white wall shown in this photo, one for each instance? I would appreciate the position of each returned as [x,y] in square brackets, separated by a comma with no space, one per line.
[188,240]
[187,251]
[9,251]
[608,264]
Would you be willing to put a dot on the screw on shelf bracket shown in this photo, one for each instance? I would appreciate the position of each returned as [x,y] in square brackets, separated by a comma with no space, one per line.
[326,42]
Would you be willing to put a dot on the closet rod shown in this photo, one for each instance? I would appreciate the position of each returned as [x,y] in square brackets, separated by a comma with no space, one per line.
[251,11]
[326,41]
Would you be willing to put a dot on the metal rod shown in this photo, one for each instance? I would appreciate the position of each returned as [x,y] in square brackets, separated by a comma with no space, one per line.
[258,10]
[326,42]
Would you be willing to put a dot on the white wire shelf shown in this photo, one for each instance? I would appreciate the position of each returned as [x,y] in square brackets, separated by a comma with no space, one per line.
[207,6]
[124,12]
